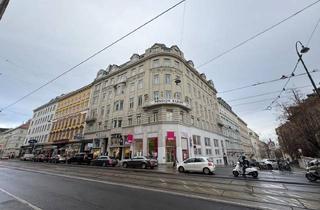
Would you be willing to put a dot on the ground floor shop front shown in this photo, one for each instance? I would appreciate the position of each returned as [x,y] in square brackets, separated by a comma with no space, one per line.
[165,142]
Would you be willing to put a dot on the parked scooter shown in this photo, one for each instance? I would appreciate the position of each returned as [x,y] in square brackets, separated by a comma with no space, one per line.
[251,171]
[313,171]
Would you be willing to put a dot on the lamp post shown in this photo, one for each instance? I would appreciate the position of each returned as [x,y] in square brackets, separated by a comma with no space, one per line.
[302,51]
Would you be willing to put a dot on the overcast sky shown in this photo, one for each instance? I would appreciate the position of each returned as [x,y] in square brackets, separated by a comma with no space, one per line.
[40,39]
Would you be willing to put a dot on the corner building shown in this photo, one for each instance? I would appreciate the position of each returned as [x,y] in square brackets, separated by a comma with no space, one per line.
[157,104]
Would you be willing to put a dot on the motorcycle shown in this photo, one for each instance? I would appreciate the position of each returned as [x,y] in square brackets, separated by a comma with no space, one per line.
[251,171]
[313,171]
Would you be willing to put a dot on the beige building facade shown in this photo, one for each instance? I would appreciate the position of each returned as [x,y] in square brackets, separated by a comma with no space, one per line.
[156,104]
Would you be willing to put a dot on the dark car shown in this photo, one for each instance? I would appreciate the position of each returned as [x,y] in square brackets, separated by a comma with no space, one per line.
[81,158]
[139,162]
[104,161]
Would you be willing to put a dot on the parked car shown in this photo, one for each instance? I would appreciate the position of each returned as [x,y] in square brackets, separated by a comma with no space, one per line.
[268,164]
[104,161]
[198,164]
[58,159]
[139,162]
[27,157]
[5,157]
[81,158]
[40,158]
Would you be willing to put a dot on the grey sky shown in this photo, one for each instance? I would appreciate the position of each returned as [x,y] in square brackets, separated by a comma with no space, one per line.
[44,38]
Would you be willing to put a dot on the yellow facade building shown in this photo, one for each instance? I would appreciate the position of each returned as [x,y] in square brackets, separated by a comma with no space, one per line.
[69,120]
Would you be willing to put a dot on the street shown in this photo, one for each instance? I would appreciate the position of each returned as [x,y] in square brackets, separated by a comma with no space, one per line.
[61,186]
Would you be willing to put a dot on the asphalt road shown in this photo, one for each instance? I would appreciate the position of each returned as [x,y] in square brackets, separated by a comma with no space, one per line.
[54,192]
[58,185]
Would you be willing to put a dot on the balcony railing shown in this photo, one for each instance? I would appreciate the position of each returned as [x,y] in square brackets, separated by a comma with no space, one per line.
[158,102]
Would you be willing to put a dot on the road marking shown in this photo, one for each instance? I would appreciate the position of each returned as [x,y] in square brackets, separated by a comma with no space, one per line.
[20,200]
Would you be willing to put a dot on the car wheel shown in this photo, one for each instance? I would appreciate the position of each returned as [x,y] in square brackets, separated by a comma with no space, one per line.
[181,169]
[255,174]
[125,165]
[206,171]
[104,164]
[269,167]
[311,177]
[235,173]
[143,166]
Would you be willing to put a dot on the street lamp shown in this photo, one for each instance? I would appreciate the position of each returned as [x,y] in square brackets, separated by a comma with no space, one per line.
[302,51]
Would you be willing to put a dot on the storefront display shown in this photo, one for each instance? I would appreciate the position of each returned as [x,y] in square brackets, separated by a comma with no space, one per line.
[138,147]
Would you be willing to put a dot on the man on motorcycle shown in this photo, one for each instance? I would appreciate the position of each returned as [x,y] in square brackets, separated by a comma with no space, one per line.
[244,163]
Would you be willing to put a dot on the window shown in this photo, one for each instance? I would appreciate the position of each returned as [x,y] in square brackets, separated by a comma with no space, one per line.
[119,123]
[106,124]
[139,119]
[156,95]
[130,120]
[95,100]
[167,78]
[189,88]
[114,123]
[140,84]
[217,151]
[208,152]
[131,103]
[182,116]
[118,105]
[169,114]
[192,120]
[167,62]
[196,140]
[156,79]
[155,63]
[207,141]
[140,100]
[216,143]
[132,87]
[168,94]
[140,69]
[197,151]
[155,116]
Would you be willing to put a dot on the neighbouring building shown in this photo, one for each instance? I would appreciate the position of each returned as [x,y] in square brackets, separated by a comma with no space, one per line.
[245,139]
[254,137]
[229,125]
[68,123]
[12,139]
[41,122]
[156,104]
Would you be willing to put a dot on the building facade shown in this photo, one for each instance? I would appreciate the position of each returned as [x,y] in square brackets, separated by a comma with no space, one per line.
[254,138]
[11,140]
[230,129]
[41,122]
[156,104]
[69,121]
[245,139]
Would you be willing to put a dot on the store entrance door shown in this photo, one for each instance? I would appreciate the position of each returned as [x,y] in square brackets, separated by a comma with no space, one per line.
[171,154]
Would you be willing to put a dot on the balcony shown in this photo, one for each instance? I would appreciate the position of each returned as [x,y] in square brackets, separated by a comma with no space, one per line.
[160,102]
[90,120]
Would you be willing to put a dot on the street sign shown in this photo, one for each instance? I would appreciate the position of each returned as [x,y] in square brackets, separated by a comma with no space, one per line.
[32,141]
